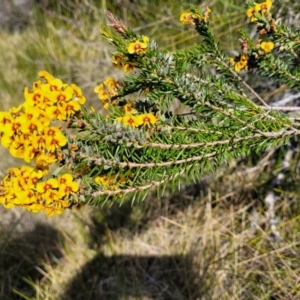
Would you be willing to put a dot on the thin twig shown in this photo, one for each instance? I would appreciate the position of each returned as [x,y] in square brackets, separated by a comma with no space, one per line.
[282,108]
[140,188]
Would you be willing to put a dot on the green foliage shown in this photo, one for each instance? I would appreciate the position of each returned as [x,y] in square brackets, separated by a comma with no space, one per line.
[127,154]
[223,121]
[220,224]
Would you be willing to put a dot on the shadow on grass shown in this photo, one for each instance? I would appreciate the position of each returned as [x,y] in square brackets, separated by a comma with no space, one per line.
[124,276]
[119,276]
[21,257]
[156,277]
[137,217]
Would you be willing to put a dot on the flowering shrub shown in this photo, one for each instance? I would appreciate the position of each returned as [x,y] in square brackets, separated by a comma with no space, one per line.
[141,144]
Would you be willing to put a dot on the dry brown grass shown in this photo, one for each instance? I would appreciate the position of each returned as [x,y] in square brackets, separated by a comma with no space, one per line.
[209,241]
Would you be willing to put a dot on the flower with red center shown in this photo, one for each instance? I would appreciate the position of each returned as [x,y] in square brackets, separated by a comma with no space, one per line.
[54,138]
[57,208]
[44,118]
[5,118]
[251,13]
[18,184]
[78,96]
[262,8]
[38,142]
[62,95]
[29,153]
[36,85]
[138,47]
[51,196]
[43,161]
[46,76]
[34,176]
[43,102]
[111,83]
[26,197]
[186,18]
[56,113]
[70,108]
[130,121]
[118,60]
[33,98]
[22,139]
[267,46]
[6,141]
[67,185]
[43,187]
[129,110]
[32,114]
[147,119]
[54,85]
[242,63]
[128,67]
[12,128]
[17,149]
[102,94]
[30,124]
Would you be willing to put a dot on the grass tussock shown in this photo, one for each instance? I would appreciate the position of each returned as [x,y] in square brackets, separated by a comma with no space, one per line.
[206,242]
[211,240]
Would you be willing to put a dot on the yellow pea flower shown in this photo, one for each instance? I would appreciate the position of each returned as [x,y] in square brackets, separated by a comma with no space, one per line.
[138,47]
[147,119]
[267,46]
[45,75]
[67,185]
[130,121]
[186,18]
[129,110]
[54,138]
[43,187]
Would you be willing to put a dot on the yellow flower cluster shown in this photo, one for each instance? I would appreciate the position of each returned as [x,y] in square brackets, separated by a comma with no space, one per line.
[129,110]
[138,47]
[242,63]
[262,8]
[26,130]
[28,136]
[131,119]
[24,188]
[119,62]
[189,18]
[110,182]
[139,120]
[250,56]
[53,98]
[107,90]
